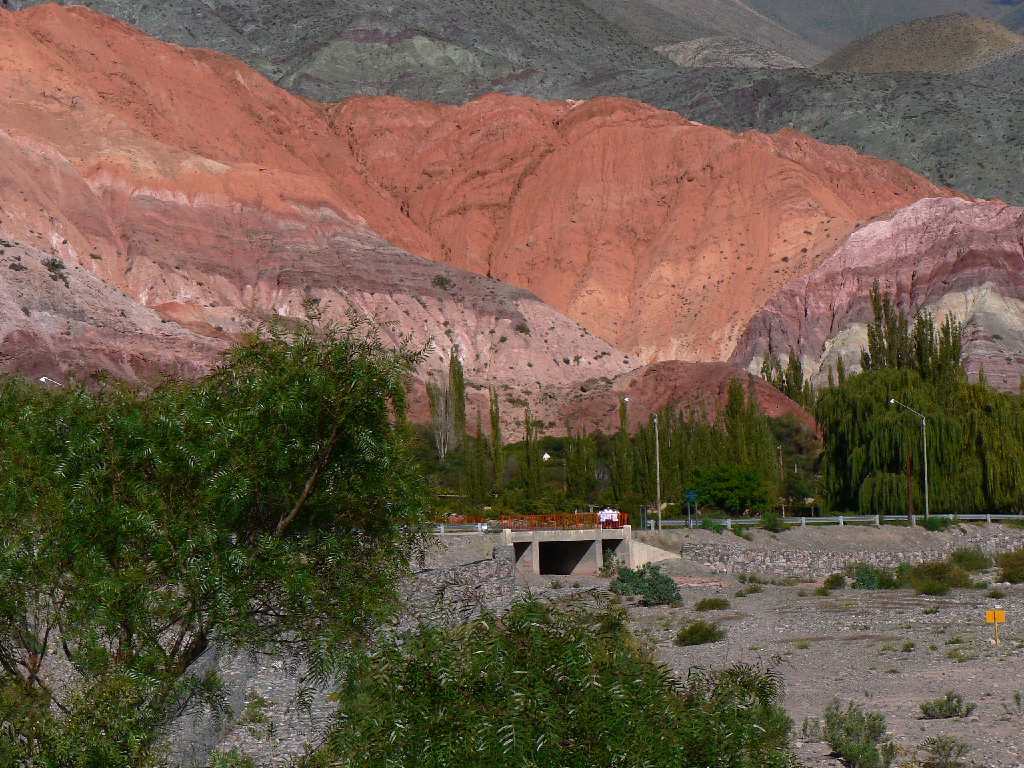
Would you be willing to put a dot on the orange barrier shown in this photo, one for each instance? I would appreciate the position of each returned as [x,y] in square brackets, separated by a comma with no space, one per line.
[561,522]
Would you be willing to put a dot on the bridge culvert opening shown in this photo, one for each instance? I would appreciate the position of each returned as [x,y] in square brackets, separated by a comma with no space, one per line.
[565,558]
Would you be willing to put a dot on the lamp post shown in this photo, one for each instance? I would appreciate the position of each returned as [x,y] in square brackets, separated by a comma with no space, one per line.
[924,443]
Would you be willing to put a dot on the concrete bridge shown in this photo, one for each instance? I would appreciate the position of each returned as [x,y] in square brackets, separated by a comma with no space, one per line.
[577,551]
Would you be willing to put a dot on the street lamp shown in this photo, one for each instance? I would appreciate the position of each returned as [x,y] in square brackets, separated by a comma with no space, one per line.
[924,442]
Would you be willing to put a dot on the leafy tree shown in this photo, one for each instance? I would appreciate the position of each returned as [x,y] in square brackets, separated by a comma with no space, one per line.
[734,489]
[478,697]
[448,408]
[497,448]
[271,506]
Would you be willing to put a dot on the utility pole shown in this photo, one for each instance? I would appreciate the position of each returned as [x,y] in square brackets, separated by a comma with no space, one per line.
[657,465]
[924,443]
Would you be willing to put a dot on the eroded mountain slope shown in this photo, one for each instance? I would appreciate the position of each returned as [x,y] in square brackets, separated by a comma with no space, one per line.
[944,256]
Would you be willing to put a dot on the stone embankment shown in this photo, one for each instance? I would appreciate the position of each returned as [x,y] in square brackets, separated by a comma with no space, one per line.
[816,553]
[457,580]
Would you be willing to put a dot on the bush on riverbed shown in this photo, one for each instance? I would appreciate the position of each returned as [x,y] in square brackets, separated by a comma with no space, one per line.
[496,692]
[651,584]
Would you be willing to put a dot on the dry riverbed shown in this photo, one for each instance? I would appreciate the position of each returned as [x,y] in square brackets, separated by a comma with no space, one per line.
[887,650]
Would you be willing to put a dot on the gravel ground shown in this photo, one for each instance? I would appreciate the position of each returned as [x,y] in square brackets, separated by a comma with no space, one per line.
[855,645]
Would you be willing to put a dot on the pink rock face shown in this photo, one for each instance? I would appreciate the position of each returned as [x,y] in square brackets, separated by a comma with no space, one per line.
[700,388]
[189,189]
[941,255]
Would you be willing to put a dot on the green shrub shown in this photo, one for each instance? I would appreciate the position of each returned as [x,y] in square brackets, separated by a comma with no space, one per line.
[835,581]
[937,578]
[944,752]
[950,705]
[708,524]
[858,737]
[651,584]
[496,692]
[996,594]
[866,576]
[610,565]
[712,604]
[442,282]
[750,589]
[935,524]
[699,633]
[823,591]
[971,559]
[771,521]
[1011,567]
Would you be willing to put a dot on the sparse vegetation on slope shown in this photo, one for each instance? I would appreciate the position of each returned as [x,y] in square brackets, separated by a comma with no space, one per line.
[942,44]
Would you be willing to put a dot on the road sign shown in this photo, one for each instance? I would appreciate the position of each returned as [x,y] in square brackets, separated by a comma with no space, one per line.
[995,617]
[692,496]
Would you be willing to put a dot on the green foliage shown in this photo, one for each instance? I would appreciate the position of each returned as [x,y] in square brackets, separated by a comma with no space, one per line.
[950,705]
[610,565]
[733,489]
[542,687]
[709,524]
[858,736]
[442,282]
[651,584]
[936,524]
[1011,567]
[272,504]
[712,604]
[497,444]
[791,380]
[835,581]
[772,521]
[232,759]
[699,633]
[874,450]
[937,578]
[866,577]
[971,559]
[944,752]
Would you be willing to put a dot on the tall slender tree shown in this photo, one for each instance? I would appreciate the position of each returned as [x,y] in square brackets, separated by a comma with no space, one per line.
[497,449]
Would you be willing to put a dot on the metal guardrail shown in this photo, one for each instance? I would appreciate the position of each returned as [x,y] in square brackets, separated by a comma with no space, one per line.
[492,526]
[803,522]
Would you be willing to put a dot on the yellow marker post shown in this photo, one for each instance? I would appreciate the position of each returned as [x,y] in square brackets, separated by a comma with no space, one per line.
[995,618]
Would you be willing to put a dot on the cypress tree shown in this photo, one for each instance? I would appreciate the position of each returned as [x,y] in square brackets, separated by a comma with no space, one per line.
[497,449]
[457,391]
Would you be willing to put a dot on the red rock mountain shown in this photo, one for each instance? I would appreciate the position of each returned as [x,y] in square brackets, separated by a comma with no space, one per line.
[660,235]
[183,184]
[946,256]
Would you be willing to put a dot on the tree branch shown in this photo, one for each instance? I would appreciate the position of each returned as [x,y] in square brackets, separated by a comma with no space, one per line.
[311,482]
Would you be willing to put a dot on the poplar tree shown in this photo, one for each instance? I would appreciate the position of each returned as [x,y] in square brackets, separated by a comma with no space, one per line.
[497,449]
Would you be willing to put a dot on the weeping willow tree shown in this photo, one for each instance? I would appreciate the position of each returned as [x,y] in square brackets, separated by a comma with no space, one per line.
[874,452]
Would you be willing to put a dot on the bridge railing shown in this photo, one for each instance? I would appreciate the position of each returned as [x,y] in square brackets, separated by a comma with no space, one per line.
[572,521]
